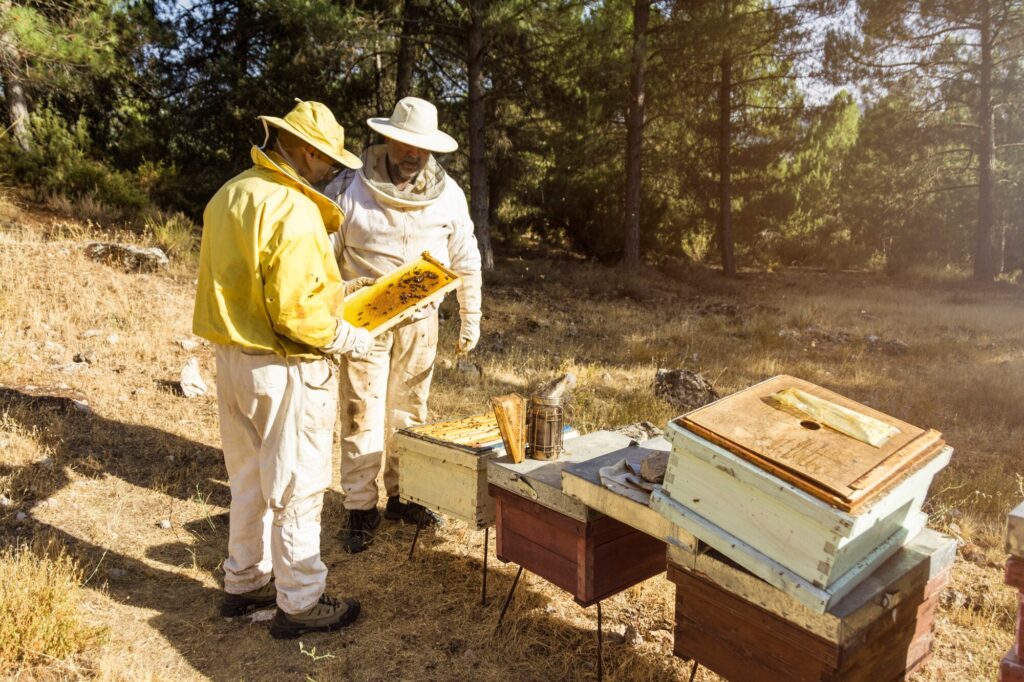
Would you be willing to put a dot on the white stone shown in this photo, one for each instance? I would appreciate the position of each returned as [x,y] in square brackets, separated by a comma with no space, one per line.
[262,616]
[5,501]
[113,338]
[90,333]
[192,384]
[188,345]
[165,524]
[20,516]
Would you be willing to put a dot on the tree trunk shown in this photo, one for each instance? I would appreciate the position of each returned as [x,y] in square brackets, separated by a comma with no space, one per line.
[14,91]
[984,262]
[477,157]
[406,50]
[635,134]
[725,241]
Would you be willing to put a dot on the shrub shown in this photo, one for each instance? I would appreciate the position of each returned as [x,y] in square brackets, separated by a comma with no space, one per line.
[58,163]
[175,233]
[39,608]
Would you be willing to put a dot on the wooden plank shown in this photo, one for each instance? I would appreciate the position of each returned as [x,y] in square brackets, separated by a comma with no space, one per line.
[813,596]
[582,482]
[825,462]
[445,487]
[1015,572]
[741,641]
[591,561]
[1015,531]
[447,452]
[736,641]
[1011,669]
[630,558]
[541,480]
[924,561]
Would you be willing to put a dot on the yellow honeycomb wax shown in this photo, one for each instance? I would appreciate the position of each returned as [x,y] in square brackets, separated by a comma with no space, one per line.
[407,288]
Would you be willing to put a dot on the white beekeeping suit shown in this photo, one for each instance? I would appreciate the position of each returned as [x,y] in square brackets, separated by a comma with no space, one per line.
[385,227]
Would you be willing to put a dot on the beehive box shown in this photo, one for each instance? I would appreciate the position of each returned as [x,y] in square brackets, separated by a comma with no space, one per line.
[394,297]
[1011,669]
[744,629]
[789,530]
[555,536]
[443,466]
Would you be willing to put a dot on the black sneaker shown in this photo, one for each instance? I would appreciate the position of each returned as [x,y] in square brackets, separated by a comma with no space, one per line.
[396,510]
[326,614]
[235,605]
[359,529]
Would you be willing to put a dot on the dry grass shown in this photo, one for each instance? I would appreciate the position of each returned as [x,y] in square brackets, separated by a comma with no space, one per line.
[98,483]
[40,609]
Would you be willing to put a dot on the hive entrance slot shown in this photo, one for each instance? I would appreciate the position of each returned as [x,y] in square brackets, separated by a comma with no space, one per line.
[809,425]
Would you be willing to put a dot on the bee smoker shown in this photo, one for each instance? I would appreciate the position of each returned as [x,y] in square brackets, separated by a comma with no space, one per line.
[545,419]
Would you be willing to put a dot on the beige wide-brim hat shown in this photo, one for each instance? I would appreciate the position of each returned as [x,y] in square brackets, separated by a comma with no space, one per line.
[414,122]
[314,123]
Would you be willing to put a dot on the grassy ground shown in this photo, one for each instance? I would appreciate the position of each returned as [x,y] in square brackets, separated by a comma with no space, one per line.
[95,484]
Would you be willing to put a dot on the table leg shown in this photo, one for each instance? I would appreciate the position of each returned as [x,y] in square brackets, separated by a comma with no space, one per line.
[483,596]
[508,599]
[600,646]
[419,527]
[693,670]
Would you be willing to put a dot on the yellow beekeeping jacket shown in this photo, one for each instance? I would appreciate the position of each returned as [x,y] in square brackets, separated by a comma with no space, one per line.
[268,279]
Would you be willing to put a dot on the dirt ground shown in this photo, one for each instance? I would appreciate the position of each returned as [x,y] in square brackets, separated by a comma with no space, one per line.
[133,485]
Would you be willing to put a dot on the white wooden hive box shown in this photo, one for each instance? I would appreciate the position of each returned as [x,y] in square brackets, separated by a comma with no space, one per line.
[443,466]
[792,531]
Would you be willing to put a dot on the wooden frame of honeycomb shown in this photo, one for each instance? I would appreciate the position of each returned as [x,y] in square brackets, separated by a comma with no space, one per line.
[394,297]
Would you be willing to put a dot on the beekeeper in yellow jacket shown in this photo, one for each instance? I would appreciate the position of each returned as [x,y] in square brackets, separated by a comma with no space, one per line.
[400,204]
[269,296]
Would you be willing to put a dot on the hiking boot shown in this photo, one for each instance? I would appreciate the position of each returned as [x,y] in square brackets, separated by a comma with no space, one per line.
[358,532]
[326,614]
[396,510]
[235,605]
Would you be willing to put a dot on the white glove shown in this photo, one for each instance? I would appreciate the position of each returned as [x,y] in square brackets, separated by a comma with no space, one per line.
[353,341]
[469,331]
[354,285]
[469,297]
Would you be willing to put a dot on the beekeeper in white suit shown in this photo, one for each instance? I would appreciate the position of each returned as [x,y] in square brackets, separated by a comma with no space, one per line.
[400,204]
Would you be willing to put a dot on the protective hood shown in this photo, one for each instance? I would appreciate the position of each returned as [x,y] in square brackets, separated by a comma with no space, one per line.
[424,192]
[273,161]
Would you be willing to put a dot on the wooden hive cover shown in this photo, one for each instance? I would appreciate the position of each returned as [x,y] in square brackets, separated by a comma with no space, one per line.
[832,466]
[397,295]
[476,434]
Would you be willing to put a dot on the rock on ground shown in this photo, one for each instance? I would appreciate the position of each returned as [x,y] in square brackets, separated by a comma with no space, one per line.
[131,258]
[192,384]
[683,389]
[639,431]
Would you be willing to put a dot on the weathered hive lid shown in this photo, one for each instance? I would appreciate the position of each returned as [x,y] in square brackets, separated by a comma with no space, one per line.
[477,434]
[795,430]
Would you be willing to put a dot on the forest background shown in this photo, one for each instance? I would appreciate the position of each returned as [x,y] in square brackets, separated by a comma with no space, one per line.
[738,133]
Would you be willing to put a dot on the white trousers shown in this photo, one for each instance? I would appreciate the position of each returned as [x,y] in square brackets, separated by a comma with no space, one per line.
[385,391]
[276,425]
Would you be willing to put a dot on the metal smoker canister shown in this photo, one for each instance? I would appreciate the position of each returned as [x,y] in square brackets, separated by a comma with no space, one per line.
[544,420]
